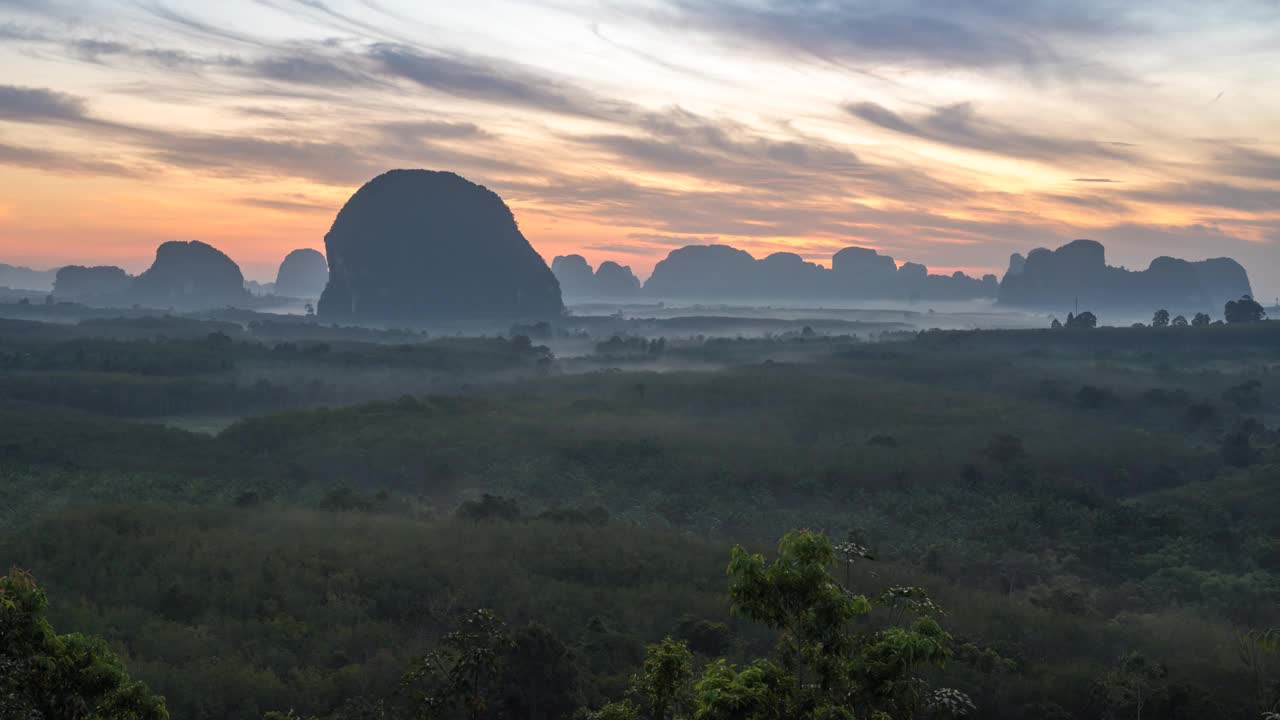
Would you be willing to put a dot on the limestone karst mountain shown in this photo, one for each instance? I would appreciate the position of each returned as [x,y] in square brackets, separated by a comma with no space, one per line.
[704,272]
[720,272]
[615,280]
[575,275]
[610,281]
[417,245]
[1078,272]
[189,275]
[303,274]
[77,282]
[19,277]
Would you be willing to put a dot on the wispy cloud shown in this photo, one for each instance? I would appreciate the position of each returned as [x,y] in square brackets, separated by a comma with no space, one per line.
[1212,194]
[288,204]
[920,33]
[308,70]
[100,51]
[60,162]
[961,126]
[196,28]
[494,81]
[1249,163]
[239,156]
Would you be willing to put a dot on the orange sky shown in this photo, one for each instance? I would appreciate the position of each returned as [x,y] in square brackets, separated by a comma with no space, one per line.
[624,132]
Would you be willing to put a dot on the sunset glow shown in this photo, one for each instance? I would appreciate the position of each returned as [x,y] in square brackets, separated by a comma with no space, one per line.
[621,130]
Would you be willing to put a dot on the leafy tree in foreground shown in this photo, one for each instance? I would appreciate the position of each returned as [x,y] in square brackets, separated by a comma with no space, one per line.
[1160,319]
[61,677]
[822,667]
[462,671]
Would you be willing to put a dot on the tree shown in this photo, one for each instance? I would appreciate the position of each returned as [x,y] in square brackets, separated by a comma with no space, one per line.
[1180,321]
[538,678]
[1055,325]
[1244,310]
[797,596]
[1200,320]
[1253,646]
[46,675]
[1133,681]
[1084,320]
[489,508]
[665,681]
[756,692]
[461,671]
[822,666]
[1161,318]
[830,671]
[704,636]
[1246,396]
[1237,447]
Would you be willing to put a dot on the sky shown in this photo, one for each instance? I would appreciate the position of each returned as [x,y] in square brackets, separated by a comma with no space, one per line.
[943,132]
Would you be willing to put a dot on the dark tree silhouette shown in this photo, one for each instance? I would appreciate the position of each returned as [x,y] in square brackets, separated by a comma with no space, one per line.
[1246,309]
[1161,318]
[489,508]
[1084,320]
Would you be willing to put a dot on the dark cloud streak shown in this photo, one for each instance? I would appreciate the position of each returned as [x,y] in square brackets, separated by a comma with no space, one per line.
[960,126]
[301,69]
[35,105]
[1249,163]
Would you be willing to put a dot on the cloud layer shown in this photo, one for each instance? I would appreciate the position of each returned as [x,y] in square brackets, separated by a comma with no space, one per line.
[952,133]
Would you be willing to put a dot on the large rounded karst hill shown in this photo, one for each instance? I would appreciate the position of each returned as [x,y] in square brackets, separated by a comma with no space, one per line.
[420,246]
[190,274]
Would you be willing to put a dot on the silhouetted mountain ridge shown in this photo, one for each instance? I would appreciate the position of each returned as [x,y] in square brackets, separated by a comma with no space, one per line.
[77,282]
[1078,272]
[579,281]
[18,277]
[725,273]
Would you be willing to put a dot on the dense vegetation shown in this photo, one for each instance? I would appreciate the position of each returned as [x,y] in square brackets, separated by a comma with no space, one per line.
[1093,511]
[47,675]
